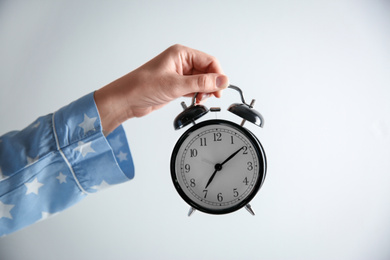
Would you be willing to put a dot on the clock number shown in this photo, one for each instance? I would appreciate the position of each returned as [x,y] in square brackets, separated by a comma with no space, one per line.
[235,193]
[193,152]
[219,197]
[217,137]
[203,141]
[192,183]
[187,167]
[246,181]
[205,193]
[250,166]
[231,139]
[245,150]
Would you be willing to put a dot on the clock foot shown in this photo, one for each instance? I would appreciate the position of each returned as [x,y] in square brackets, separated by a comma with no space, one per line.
[249,209]
[191,211]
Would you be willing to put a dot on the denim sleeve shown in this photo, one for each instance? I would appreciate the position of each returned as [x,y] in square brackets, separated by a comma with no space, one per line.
[56,161]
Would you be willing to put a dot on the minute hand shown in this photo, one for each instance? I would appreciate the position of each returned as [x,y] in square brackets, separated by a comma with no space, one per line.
[231,156]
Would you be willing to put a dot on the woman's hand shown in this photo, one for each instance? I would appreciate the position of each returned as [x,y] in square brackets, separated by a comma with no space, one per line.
[176,72]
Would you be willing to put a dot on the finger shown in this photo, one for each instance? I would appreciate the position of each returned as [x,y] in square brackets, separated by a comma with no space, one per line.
[218,93]
[201,97]
[203,83]
[204,96]
[194,61]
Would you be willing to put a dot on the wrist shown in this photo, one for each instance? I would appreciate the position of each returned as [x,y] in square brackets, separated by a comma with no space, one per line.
[111,108]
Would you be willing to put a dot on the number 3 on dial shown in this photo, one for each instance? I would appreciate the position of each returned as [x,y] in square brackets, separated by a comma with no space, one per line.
[218,166]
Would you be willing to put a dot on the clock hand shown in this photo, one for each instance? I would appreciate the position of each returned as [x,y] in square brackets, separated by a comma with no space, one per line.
[231,156]
[212,176]
[218,166]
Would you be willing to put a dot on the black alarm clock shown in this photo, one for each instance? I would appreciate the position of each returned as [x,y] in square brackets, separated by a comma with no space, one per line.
[218,166]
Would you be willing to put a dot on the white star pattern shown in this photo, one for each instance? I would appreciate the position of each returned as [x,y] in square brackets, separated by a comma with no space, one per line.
[61,178]
[45,215]
[5,210]
[84,148]
[32,160]
[1,174]
[115,142]
[36,125]
[88,124]
[33,187]
[122,156]
[101,186]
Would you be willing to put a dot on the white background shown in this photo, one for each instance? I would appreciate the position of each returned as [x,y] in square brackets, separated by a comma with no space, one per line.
[320,72]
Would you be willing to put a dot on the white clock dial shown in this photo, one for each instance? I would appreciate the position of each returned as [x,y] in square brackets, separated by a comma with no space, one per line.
[218,166]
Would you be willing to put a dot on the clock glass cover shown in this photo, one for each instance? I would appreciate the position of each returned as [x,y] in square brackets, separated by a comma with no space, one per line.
[218,166]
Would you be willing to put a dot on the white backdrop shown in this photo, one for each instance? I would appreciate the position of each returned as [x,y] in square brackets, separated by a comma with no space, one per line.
[319,71]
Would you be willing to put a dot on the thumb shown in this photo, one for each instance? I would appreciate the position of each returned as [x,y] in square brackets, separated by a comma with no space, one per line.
[204,83]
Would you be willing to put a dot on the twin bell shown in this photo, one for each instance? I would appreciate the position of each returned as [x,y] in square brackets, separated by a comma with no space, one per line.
[196,111]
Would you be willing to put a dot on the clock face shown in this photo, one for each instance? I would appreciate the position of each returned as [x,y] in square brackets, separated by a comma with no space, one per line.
[218,166]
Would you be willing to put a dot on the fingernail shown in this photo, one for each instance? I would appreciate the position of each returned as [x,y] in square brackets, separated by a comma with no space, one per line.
[220,82]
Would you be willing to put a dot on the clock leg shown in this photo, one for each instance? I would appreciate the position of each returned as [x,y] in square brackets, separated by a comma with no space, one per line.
[249,209]
[191,211]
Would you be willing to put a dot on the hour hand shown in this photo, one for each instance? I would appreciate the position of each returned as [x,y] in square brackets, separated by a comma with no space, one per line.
[211,178]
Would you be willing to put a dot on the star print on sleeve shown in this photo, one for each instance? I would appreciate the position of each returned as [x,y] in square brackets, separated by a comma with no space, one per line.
[33,187]
[61,178]
[88,124]
[46,215]
[84,148]
[122,156]
[115,141]
[2,177]
[36,125]
[5,210]
[32,160]
[101,186]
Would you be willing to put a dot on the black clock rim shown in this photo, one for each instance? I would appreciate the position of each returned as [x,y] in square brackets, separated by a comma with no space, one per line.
[257,147]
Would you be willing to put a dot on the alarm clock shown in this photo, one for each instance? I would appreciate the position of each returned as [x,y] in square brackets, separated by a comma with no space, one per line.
[218,166]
